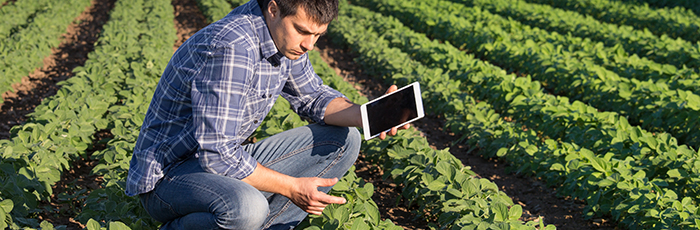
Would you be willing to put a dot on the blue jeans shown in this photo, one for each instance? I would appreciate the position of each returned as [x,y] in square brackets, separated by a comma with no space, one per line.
[189,198]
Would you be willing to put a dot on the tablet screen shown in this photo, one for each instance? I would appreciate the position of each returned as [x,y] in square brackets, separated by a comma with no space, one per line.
[392,110]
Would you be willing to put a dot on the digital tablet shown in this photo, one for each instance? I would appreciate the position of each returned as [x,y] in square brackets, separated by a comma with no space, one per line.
[395,109]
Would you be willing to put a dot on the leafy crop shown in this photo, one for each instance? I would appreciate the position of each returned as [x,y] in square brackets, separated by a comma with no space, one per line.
[688,4]
[605,44]
[23,47]
[523,148]
[674,22]
[651,105]
[444,181]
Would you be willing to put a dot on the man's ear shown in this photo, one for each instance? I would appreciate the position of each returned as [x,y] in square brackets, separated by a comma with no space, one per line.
[273,9]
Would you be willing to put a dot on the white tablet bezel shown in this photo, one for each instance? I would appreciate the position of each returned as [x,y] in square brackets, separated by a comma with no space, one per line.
[419,107]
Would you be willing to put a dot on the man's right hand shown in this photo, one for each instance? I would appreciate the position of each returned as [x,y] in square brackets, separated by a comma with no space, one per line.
[302,191]
[306,196]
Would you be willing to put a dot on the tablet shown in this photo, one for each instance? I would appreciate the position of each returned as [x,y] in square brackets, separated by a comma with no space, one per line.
[395,109]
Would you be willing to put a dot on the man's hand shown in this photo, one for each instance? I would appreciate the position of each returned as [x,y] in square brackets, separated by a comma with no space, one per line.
[393,130]
[305,194]
[302,191]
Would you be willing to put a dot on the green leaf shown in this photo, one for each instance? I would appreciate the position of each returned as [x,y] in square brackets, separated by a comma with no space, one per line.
[605,183]
[359,224]
[45,225]
[6,205]
[446,169]
[675,173]
[372,212]
[118,225]
[342,185]
[93,225]
[436,185]
[515,212]
[341,214]
[3,217]
[501,212]
[501,152]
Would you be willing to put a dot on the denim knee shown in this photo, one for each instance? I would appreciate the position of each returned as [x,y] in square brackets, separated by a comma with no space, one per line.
[248,211]
[352,143]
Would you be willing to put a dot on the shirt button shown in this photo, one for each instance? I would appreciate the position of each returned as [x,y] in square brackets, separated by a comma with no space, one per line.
[255,121]
[269,95]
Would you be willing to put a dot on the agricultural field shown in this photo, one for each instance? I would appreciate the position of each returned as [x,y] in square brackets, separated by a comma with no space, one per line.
[542,114]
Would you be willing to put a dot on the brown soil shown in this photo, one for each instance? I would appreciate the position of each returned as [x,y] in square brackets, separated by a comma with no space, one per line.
[5,3]
[188,20]
[75,185]
[387,195]
[77,42]
[538,200]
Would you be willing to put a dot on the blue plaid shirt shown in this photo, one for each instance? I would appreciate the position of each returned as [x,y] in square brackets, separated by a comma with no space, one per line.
[217,88]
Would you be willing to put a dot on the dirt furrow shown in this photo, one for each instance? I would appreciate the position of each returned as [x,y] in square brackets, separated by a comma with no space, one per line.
[538,200]
[78,41]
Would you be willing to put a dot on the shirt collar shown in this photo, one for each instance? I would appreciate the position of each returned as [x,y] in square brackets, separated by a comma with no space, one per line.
[267,45]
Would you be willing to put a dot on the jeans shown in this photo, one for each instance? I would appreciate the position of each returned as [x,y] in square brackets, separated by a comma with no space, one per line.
[189,198]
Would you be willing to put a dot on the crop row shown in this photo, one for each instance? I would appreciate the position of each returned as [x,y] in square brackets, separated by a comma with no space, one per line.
[449,192]
[213,10]
[154,33]
[426,193]
[524,148]
[688,4]
[675,22]
[651,105]
[24,47]
[360,211]
[662,49]
[609,52]
[17,15]
[130,53]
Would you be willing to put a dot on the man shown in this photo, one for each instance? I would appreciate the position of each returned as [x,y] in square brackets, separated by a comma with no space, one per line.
[189,166]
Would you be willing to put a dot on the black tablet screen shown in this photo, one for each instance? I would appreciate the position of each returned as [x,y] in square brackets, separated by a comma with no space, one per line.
[392,110]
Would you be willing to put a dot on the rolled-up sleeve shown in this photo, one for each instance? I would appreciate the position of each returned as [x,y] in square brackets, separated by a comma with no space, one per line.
[306,92]
[218,96]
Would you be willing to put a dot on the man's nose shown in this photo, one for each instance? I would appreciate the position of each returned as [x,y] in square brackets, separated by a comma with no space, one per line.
[308,42]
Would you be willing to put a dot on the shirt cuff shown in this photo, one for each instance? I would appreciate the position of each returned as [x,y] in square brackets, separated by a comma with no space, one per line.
[323,102]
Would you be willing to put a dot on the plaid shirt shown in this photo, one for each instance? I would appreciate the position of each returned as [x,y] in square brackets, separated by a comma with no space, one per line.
[217,88]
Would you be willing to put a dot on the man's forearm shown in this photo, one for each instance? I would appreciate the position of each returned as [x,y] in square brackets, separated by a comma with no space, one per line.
[302,191]
[268,180]
[342,112]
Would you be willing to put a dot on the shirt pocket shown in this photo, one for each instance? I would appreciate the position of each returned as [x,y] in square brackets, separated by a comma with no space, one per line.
[257,100]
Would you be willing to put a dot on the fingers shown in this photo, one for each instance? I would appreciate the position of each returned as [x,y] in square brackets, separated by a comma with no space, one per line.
[315,210]
[393,131]
[327,182]
[391,88]
[310,199]
[320,201]
[328,199]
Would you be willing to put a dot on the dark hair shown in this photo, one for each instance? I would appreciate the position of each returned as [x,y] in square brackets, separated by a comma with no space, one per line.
[321,11]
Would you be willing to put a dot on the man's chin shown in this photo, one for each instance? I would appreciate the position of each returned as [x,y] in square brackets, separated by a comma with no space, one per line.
[293,56]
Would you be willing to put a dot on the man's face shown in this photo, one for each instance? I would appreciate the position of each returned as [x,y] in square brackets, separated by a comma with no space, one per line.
[294,35]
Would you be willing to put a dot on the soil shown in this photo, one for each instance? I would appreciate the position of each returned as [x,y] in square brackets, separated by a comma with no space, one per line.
[5,3]
[188,20]
[537,199]
[77,42]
